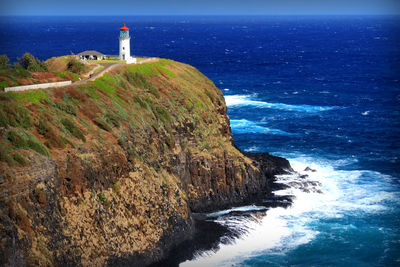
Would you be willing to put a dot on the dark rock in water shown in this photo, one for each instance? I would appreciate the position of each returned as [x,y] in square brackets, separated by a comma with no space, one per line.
[308,169]
[208,235]
[270,165]
[303,176]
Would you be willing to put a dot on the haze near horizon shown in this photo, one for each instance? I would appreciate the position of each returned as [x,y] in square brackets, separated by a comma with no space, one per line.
[195,7]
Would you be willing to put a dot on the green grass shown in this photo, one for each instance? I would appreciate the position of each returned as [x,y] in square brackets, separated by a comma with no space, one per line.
[113,118]
[67,107]
[102,123]
[3,84]
[30,96]
[63,75]
[26,140]
[73,129]
[163,115]
[91,91]
[100,68]
[12,113]
[153,68]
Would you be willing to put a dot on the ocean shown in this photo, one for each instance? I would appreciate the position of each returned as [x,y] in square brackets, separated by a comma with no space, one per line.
[323,92]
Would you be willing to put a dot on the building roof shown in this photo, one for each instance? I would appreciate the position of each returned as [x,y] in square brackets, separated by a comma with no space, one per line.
[124,28]
[90,52]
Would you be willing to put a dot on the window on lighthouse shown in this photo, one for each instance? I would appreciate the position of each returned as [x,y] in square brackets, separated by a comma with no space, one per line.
[123,48]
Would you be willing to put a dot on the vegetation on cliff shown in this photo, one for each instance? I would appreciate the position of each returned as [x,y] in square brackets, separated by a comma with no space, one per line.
[115,166]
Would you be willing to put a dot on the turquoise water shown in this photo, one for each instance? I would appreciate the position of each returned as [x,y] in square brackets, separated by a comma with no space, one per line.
[323,92]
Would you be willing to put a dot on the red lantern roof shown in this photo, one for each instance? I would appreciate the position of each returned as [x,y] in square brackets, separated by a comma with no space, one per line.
[124,28]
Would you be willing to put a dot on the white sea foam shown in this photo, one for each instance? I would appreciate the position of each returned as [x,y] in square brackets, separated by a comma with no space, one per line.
[246,126]
[281,230]
[242,208]
[252,149]
[247,100]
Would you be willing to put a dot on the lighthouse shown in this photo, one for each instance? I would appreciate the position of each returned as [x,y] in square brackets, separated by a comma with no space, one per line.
[125,45]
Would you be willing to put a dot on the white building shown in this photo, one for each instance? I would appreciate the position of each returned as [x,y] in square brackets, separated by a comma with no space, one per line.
[125,45]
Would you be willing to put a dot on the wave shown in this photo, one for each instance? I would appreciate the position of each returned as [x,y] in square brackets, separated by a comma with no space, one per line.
[240,209]
[246,100]
[245,126]
[341,194]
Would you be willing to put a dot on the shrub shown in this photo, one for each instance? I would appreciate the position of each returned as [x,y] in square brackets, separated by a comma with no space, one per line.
[189,105]
[3,84]
[163,115]
[42,126]
[99,121]
[155,92]
[170,141]
[71,127]
[4,62]
[138,100]
[210,95]
[14,114]
[103,199]
[4,155]
[37,146]
[26,141]
[137,80]
[67,107]
[30,63]
[20,71]
[19,159]
[53,140]
[17,140]
[113,119]
[75,66]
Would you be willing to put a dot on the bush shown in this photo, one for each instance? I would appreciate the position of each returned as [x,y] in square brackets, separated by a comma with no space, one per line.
[20,71]
[4,62]
[155,92]
[26,141]
[37,146]
[103,199]
[4,155]
[75,66]
[137,80]
[44,128]
[138,100]
[67,107]
[30,63]
[163,115]
[19,159]
[17,140]
[113,119]
[14,114]
[102,124]
[71,127]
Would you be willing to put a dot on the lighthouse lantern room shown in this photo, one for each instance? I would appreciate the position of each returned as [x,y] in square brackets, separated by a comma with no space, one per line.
[125,45]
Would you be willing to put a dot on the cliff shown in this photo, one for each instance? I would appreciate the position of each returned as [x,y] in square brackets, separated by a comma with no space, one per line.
[110,172]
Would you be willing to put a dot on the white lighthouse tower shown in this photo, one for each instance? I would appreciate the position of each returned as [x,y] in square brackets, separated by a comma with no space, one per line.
[125,45]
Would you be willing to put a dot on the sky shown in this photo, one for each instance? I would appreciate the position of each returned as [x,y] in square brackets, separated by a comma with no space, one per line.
[196,7]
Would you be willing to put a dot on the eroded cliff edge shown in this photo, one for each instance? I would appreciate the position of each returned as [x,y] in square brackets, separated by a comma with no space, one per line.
[110,172]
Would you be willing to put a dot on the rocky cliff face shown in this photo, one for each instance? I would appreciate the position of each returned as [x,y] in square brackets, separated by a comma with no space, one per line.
[110,172]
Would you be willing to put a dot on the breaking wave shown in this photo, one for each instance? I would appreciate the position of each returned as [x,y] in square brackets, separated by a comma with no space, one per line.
[246,100]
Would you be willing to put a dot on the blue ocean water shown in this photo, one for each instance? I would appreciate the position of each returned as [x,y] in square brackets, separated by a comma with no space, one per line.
[323,92]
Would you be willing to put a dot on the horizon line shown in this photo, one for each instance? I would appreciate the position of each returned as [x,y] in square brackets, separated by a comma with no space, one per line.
[201,15]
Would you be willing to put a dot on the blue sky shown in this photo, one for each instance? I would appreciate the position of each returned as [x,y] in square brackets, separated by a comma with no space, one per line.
[197,7]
